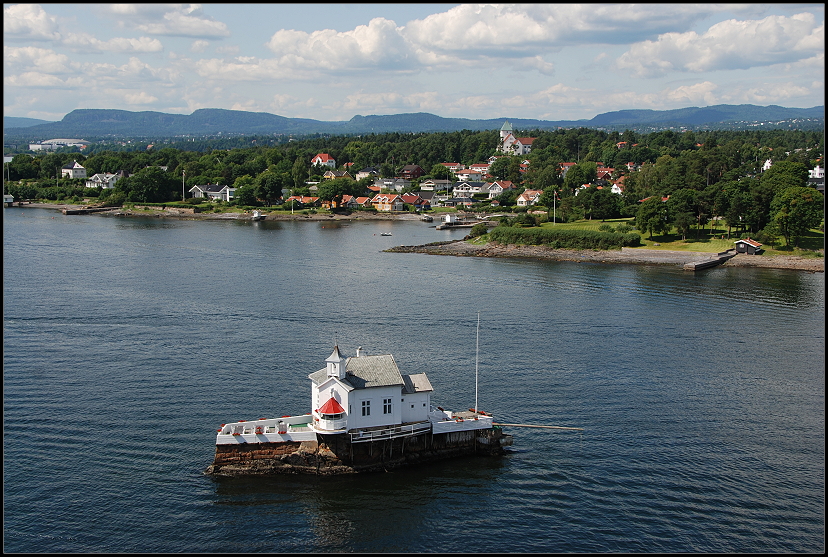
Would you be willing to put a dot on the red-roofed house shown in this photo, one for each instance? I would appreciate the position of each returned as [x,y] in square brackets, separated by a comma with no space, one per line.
[388,202]
[469,175]
[528,197]
[604,173]
[416,200]
[323,159]
[303,200]
[565,166]
[498,187]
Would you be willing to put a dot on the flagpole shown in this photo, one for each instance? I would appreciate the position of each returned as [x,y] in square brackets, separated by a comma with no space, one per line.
[476,352]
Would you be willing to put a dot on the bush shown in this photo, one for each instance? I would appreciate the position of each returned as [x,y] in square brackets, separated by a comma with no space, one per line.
[478,229]
[565,239]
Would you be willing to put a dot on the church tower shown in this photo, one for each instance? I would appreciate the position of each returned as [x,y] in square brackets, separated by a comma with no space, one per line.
[505,130]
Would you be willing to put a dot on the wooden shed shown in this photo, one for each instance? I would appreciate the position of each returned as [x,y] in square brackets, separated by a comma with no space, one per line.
[748,246]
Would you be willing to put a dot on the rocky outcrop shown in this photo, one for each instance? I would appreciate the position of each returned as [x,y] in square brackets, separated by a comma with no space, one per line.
[641,256]
[335,454]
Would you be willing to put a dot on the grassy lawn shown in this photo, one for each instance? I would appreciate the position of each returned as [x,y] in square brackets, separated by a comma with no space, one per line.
[703,240]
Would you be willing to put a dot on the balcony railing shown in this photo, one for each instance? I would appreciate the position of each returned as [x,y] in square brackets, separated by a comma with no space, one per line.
[392,432]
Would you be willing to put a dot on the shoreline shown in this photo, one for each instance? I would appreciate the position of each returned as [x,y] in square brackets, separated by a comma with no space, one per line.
[641,256]
[462,248]
[187,213]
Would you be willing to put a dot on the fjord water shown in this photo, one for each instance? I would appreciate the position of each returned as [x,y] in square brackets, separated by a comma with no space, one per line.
[128,341]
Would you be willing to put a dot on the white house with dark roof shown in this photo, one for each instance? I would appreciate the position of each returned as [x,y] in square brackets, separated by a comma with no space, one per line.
[365,392]
[214,191]
[103,180]
[469,188]
[73,169]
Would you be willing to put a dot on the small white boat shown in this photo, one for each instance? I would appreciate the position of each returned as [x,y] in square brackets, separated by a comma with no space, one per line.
[385,234]
[257,215]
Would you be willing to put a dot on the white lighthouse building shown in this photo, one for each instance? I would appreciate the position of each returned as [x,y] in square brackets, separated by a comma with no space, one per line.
[365,392]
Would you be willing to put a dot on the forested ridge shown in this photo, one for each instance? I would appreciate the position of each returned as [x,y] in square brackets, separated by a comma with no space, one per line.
[679,179]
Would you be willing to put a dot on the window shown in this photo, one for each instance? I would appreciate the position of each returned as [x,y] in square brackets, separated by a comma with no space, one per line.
[386,406]
[366,407]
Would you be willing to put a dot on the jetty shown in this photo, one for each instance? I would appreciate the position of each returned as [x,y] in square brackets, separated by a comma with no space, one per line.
[455,221]
[713,261]
[88,210]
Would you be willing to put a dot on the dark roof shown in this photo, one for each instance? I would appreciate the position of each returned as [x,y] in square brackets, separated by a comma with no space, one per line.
[364,372]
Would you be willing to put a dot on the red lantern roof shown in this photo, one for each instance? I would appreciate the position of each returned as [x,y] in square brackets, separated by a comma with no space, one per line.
[331,407]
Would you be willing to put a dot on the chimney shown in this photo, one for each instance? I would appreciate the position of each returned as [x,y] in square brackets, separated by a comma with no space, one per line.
[359,348]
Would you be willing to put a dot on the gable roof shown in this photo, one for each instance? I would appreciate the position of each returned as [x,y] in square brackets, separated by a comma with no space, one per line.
[417,383]
[365,372]
[749,242]
[323,157]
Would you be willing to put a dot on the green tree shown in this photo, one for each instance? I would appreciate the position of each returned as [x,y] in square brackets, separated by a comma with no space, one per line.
[333,190]
[605,204]
[149,185]
[652,216]
[269,186]
[796,210]
[246,195]
[440,172]
[299,172]
[580,174]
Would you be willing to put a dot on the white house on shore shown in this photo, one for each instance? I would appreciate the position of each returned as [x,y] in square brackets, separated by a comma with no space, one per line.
[103,180]
[73,169]
[367,391]
[214,191]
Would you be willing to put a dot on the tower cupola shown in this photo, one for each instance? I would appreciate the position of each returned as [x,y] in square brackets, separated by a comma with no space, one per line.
[336,364]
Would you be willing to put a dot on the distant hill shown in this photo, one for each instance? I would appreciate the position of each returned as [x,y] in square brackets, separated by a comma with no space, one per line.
[15,122]
[89,123]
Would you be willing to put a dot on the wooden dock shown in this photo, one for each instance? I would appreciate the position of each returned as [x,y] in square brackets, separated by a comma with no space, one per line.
[714,261]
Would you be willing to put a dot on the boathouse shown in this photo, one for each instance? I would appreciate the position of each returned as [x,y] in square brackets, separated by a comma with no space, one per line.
[366,391]
[748,246]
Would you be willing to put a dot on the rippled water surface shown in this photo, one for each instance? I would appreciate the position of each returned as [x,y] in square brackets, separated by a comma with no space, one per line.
[128,341]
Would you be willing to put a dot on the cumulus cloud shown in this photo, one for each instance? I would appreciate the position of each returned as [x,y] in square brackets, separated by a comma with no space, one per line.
[199,45]
[478,35]
[118,44]
[509,29]
[132,97]
[29,21]
[731,44]
[41,59]
[174,20]
[376,45]
[34,79]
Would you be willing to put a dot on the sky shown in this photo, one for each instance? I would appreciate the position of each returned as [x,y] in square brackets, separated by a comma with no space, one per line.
[479,61]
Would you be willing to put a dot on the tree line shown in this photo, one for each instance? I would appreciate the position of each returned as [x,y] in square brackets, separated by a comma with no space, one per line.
[684,180]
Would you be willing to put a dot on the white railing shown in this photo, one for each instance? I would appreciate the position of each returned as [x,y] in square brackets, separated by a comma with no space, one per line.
[322,424]
[392,432]
[285,424]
